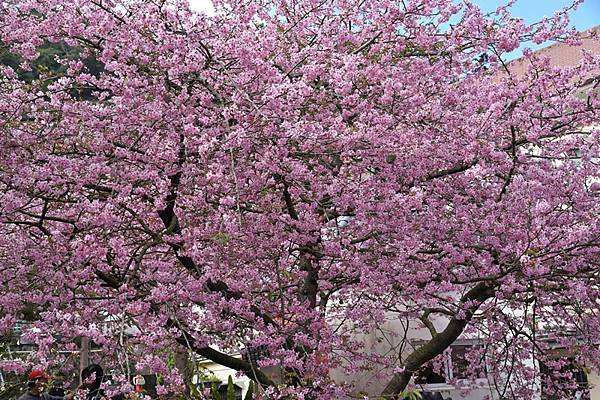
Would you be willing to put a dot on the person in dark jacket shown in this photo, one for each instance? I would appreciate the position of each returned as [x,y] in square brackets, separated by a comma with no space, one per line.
[92,377]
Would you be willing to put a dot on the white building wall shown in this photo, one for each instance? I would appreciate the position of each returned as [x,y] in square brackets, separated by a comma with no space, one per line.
[217,371]
[594,381]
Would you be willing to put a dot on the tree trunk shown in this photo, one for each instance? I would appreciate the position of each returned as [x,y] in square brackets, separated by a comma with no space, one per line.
[182,363]
[84,355]
[438,343]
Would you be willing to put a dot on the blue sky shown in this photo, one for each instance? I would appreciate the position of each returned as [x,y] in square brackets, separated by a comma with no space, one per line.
[584,17]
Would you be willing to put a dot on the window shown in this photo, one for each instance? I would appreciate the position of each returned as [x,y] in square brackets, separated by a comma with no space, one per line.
[253,354]
[568,378]
[456,367]
[461,360]
[574,153]
[428,375]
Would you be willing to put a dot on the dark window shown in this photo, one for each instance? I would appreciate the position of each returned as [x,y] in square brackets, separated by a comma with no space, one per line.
[461,360]
[566,379]
[428,374]
[253,354]
[574,153]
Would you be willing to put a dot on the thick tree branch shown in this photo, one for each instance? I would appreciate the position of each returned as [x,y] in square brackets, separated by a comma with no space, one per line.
[513,149]
[428,324]
[440,342]
[188,341]
[460,167]
[237,364]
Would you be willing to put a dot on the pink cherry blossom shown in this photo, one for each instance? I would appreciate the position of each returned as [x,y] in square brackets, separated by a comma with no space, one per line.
[298,176]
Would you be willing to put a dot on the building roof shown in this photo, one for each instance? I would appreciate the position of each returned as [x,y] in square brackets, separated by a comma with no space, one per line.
[563,54]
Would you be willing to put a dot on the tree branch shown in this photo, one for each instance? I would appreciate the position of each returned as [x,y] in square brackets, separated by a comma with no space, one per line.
[460,167]
[440,342]
[428,324]
[234,363]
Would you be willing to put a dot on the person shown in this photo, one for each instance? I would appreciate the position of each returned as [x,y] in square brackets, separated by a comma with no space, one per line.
[56,390]
[37,382]
[92,377]
[432,396]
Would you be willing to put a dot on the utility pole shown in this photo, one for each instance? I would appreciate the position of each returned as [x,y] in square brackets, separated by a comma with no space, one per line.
[84,355]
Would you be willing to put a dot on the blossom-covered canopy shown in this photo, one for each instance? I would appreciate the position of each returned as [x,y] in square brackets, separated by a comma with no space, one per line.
[293,174]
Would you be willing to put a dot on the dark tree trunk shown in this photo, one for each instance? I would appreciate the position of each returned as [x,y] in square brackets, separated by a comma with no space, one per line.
[439,342]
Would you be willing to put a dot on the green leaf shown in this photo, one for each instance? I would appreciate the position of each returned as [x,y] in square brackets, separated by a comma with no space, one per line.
[411,394]
[230,389]
[194,392]
[250,392]
[214,391]
[221,238]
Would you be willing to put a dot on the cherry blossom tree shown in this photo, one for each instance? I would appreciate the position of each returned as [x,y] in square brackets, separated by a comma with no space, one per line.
[294,175]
